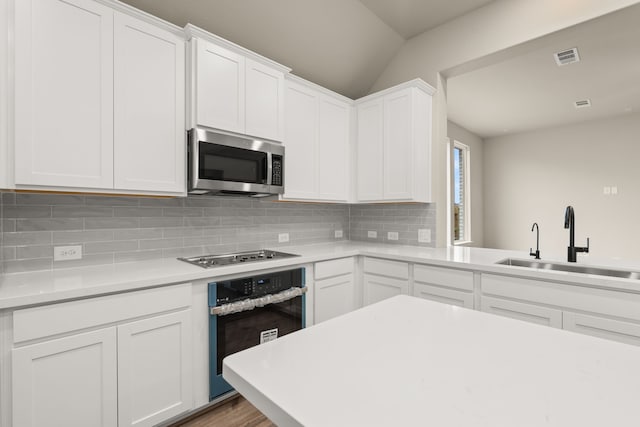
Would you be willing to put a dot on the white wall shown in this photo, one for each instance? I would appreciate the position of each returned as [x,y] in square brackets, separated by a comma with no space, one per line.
[533,177]
[476,149]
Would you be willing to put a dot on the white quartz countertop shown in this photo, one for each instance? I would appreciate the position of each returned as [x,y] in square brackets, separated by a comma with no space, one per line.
[24,289]
[411,362]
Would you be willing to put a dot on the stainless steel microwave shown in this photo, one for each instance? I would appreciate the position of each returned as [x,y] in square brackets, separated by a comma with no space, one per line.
[221,164]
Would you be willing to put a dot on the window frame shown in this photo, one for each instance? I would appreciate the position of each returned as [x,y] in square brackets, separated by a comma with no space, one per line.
[466,193]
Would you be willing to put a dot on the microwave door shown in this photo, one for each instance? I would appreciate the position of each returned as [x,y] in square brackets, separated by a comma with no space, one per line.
[230,164]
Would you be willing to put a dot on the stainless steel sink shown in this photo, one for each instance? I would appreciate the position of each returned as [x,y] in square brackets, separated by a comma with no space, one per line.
[582,269]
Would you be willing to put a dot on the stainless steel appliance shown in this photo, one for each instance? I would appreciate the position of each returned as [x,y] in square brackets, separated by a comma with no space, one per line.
[221,164]
[249,311]
[210,261]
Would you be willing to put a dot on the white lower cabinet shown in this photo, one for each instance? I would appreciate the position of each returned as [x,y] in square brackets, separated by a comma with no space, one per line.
[70,381]
[153,372]
[522,311]
[617,330]
[384,279]
[335,291]
[446,285]
[128,373]
[378,288]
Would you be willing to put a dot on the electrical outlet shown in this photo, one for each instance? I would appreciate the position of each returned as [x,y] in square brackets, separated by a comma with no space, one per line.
[372,234]
[606,191]
[338,234]
[283,237]
[392,235]
[66,253]
[614,190]
[424,235]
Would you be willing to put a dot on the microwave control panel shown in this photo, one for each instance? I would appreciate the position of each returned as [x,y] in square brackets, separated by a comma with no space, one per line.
[276,171]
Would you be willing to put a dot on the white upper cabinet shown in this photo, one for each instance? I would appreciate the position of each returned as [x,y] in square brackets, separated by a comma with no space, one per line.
[334,128]
[149,107]
[317,143]
[99,99]
[370,150]
[234,89]
[301,163]
[264,101]
[63,93]
[394,144]
[219,78]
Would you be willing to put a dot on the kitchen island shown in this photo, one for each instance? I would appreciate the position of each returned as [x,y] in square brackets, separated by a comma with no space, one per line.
[407,361]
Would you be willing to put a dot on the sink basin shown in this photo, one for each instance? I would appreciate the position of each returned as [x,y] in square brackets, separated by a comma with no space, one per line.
[582,269]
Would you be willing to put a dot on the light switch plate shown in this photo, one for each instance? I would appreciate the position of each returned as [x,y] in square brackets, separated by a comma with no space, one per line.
[392,235]
[283,237]
[67,253]
[372,234]
[338,234]
[424,235]
[614,190]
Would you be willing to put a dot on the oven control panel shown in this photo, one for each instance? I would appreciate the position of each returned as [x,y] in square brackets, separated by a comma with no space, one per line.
[257,286]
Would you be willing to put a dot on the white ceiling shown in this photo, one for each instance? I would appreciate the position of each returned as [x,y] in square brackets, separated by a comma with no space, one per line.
[529,91]
[343,45]
[412,17]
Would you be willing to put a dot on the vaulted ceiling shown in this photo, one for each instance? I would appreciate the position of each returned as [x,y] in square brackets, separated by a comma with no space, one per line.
[346,45]
[343,45]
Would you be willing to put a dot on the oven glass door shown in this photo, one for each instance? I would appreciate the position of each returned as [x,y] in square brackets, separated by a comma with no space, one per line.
[225,163]
[232,333]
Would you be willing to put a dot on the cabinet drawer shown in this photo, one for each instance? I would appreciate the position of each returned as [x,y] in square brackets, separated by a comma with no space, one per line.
[383,267]
[448,277]
[522,311]
[578,298]
[43,321]
[616,330]
[332,268]
[446,296]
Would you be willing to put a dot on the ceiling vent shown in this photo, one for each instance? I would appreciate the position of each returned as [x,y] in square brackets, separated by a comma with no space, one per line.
[568,56]
[585,103]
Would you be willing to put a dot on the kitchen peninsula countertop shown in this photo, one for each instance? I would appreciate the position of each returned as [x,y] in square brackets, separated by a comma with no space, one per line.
[43,287]
[407,361]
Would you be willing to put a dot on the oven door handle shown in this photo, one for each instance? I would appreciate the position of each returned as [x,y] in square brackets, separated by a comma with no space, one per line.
[250,304]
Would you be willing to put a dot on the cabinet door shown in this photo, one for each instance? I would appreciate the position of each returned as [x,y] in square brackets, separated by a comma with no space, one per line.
[149,147]
[333,149]
[301,165]
[398,146]
[378,288]
[444,295]
[154,369]
[370,151]
[334,297]
[522,311]
[69,381]
[220,87]
[63,93]
[264,115]
[626,332]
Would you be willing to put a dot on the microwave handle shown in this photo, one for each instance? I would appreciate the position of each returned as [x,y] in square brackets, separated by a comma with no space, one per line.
[269,168]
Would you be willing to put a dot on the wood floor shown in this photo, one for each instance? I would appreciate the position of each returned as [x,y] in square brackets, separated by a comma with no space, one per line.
[237,411]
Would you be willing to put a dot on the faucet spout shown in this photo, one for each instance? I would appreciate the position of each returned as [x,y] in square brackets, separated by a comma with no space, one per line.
[570,223]
[536,254]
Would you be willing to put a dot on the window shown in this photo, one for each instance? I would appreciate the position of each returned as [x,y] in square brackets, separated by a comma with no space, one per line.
[461,205]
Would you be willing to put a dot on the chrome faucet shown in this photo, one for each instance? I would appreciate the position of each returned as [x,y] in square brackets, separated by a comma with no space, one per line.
[537,252]
[570,223]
